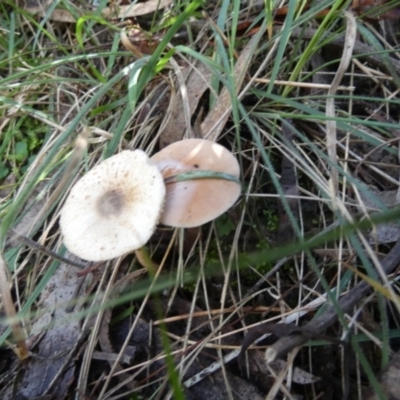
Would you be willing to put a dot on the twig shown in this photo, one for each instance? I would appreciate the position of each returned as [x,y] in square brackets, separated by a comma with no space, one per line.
[329,317]
[31,243]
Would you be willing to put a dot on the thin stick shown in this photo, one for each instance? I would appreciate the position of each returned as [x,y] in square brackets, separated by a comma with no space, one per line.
[329,317]
[31,243]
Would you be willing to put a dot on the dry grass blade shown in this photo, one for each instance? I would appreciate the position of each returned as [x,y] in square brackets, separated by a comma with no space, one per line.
[331,136]
[195,83]
[284,345]
[8,304]
[80,147]
[288,319]
[215,120]
[278,385]
[385,291]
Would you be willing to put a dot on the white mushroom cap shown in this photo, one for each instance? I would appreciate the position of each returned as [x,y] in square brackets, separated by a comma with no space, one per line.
[114,208]
[194,202]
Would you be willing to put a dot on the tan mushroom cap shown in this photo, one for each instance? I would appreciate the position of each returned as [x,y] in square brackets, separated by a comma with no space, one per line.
[195,202]
[114,208]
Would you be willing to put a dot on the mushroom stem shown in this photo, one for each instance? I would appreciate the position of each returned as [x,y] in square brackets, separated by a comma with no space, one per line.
[145,260]
[201,174]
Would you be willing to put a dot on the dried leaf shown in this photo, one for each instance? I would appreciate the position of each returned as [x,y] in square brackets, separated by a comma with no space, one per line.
[376,9]
[58,332]
[216,119]
[128,11]
[138,41]
[383,233]
[196,84]
[29,214]
[390,380]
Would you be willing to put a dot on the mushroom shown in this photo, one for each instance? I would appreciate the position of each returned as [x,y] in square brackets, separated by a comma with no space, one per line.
[194,202]
[114,208]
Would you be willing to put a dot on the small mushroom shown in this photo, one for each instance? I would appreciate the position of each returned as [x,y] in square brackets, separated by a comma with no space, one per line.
[114,208]
[192,203]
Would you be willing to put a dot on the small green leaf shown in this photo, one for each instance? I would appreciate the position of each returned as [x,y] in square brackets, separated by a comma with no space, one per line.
[224,225]
[164,60]
[11,257]
[21,151]
[4,171]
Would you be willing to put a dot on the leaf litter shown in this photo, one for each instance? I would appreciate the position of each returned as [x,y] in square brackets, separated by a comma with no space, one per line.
[54,338]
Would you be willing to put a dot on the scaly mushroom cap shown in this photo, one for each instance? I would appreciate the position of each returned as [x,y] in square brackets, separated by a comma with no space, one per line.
[194,202]
[114,208]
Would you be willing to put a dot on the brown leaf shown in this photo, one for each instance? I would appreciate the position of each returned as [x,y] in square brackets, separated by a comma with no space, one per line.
[196,84]
[58,332]
[138,41]
[375,9]
[390,381]
[216,119]
[131,10]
